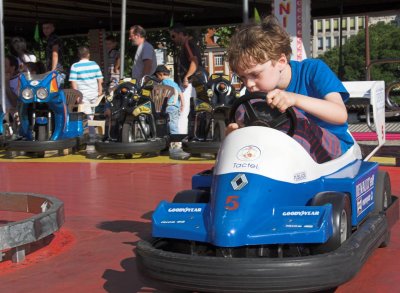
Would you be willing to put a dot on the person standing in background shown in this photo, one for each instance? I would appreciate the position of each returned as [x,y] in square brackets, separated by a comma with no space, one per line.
[86,77]
[19,49]
[113,61]
[145,61]
[54,55]
[189,61]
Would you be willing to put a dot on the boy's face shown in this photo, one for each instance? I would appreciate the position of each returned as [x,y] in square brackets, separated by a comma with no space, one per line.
[162,75]
[48,29]
[260,77]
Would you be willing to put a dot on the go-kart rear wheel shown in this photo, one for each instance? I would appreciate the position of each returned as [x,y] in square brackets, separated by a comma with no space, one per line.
[383,192]
[341,219]
[192,196]
[383,199]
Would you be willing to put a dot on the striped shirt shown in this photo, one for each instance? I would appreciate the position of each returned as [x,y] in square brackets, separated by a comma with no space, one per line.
[86,73]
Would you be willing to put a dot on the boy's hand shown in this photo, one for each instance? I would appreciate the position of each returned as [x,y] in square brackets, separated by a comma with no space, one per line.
[280,99]
[231,127]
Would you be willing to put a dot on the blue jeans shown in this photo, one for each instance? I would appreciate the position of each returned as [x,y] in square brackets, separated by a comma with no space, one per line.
[173,113]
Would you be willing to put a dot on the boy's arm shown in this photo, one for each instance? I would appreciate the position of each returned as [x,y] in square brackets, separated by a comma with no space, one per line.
[100,86]
[331,108]
[54,57]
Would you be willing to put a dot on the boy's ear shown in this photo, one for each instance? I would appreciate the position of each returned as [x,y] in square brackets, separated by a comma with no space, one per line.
[282,62]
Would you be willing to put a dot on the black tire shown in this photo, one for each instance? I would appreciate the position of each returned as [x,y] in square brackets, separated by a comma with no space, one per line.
[42,133]
[341,219]
[383,199]
[127,133]
[192,196]
[383,192]
[219,130]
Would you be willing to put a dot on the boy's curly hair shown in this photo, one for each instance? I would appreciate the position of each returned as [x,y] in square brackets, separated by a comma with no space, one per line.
[257,43]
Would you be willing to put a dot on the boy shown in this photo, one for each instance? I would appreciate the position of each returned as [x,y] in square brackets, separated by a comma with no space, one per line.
[259,54]
[175,105]
[86,77]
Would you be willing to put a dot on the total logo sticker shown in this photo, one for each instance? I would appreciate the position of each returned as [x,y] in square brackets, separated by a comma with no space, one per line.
[248,153]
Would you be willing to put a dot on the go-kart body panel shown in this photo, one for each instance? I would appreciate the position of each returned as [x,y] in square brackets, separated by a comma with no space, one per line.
[67,129]
[133,109]
[275,220]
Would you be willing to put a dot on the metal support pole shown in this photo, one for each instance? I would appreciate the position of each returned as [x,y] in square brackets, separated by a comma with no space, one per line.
[245,11]
[2,59]
[122,42]
[367,50]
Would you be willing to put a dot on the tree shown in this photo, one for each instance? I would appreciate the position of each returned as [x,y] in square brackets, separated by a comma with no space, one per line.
[384,44]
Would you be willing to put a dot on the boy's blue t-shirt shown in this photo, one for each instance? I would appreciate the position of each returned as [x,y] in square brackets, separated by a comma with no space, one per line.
[313,78]
[172,83]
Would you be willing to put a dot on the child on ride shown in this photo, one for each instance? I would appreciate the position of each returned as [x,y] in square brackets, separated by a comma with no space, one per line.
[175,103]
[259,53]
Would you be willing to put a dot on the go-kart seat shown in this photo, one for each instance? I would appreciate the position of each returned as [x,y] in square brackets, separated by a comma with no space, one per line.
[159,93]
[72,97]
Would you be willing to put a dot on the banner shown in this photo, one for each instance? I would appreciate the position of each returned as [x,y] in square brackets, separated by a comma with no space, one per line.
[294,16]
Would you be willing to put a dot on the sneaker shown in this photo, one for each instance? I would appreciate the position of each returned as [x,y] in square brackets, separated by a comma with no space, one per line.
[178,154]
[207,156]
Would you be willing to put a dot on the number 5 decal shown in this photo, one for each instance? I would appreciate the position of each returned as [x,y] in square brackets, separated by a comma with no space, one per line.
[232,202]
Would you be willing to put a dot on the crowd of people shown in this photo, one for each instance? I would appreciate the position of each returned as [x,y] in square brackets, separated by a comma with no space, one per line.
[259,54]
[86,75]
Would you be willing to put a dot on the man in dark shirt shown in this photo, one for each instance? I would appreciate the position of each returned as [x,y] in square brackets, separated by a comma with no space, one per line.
[53,48]
[188,62]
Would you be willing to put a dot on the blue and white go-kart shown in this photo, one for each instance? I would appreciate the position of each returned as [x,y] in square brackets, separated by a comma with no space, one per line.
[268,218]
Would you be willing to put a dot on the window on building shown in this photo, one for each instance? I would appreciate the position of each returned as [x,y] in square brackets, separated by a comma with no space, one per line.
[344,39]
[319,25]
[361,22]
[219,60]
[336,41]
[336,24]
[205,61]
[328,43]
[352,23]
[327,25]
[320,44]
[344,23]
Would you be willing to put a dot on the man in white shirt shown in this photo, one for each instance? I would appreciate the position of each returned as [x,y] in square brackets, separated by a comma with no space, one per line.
[145,61]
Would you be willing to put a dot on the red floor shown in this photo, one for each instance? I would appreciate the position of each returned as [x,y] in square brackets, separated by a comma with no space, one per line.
[107,211]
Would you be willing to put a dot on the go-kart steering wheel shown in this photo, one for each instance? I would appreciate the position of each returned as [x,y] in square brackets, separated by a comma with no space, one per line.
[261,114]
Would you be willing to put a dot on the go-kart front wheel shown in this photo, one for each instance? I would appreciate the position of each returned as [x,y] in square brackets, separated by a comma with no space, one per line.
[341,219]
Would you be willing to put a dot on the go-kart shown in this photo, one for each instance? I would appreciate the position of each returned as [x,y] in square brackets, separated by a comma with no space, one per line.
[208,115]
[46,122]
[268,218]
[135,126]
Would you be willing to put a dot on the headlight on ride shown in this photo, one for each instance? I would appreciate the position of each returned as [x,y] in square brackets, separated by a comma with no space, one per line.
[27,94]
[42,93]
[210,93]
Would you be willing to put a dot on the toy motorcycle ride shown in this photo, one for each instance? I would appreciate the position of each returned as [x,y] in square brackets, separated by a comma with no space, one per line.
[136,126]
[268,218]
[46,122]
[208,116]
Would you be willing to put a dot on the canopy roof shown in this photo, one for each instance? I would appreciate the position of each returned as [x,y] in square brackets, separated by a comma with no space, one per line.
[81,15]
